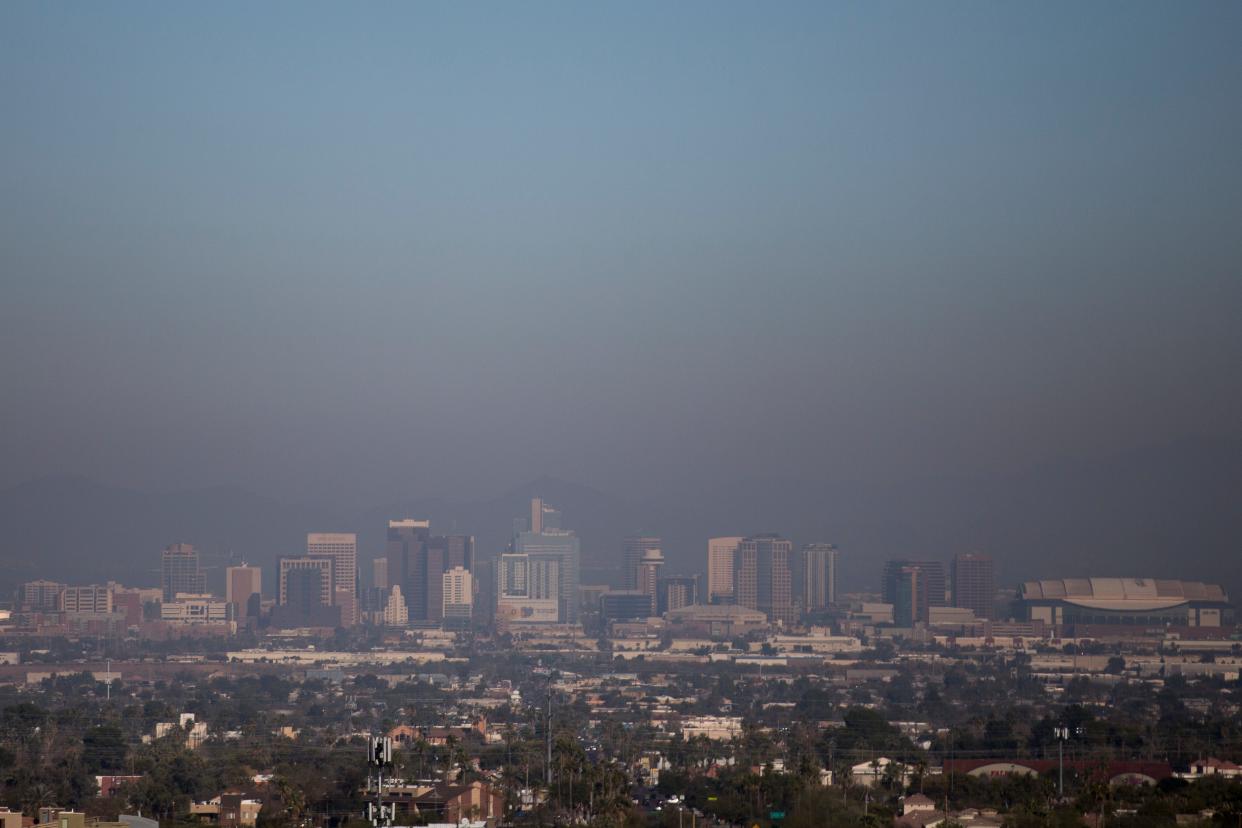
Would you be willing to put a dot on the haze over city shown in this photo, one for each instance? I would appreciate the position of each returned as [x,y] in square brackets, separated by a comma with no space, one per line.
[830,270]
[628,415]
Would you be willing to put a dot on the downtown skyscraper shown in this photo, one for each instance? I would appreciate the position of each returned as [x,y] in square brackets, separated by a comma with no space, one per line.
[541,566]
[416,561]
[305,593]
[180,571]
[819,576]
[973,578]
[635,549]
[721,554]
[341,548]
[930,583]
[763,579]
[243,588]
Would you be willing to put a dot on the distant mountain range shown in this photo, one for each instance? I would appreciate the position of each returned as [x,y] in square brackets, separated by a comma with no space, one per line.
[1173,511]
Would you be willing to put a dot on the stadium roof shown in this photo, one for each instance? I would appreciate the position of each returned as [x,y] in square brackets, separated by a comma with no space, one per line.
[1132,593]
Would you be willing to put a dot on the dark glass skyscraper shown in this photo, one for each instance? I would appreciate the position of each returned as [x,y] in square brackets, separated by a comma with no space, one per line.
[931,584]
[909,595]
[417,561]
[180,571]
[974,584]
[405,550]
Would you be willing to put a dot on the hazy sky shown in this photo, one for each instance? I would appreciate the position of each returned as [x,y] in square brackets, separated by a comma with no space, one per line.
[349,251]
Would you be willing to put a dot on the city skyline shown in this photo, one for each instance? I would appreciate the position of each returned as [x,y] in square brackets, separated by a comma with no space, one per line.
[627,414]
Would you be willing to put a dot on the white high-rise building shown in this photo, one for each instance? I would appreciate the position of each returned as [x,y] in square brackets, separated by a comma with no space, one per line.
[395,612]
[721,588]
[458,594]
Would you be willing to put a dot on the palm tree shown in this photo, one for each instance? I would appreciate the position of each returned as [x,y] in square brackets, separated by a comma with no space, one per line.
[293,798]
[920,770]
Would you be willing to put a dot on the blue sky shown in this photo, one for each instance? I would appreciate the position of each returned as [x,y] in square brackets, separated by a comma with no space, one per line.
[345,252]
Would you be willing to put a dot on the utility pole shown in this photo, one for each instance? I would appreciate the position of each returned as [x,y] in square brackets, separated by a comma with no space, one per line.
[1062,733]
[548,763]
[832,747]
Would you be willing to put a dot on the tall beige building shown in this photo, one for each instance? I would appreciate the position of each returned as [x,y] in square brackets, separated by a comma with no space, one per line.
[720,582]
[240,583]
[536,514]
[342,549]
[763,577]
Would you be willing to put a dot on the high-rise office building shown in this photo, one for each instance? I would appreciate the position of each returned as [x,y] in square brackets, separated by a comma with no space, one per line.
[527,590]
[306,582]
[909,595]
[677,591]
[306,595]
[242,586]
[512,573]
[819,576]
[648,570]
[762,576]
[89,599]
[406,555]
[40,596]
[458,596]
[417,561]
[636,547]
[974,584]
[180,571]
[552,550]
[721,553]
[441,554]
[484,577]
[931,584]
[379,573]
[342,549]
